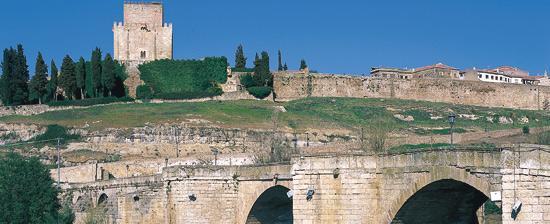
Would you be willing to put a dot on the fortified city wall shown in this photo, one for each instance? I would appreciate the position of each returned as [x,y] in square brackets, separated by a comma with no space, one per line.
[295,86]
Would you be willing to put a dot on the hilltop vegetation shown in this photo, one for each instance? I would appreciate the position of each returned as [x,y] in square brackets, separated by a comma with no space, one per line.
[75,80]
[322,113]
[183,79]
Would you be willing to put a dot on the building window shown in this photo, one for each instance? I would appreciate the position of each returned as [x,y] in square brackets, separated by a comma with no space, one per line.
[486,76]
[143,54]
[480,76]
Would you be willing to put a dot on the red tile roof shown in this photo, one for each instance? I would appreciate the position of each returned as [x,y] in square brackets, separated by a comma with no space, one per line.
[438,65]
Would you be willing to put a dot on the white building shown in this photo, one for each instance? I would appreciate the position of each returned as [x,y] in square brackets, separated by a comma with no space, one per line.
[507,74]
[490,76]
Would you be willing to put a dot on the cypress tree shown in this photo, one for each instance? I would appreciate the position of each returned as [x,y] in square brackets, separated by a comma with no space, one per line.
[8,73]
[67,79]
[96,71]
[39,82]
[262,75]
[280,67]
[303,64]
[257,80]
[266,73]
[20,78]
[285,67]
[53,83]
[240,59]
[81,77]
[108,74]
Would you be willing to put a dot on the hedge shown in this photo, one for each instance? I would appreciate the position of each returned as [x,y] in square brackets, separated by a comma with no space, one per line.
[89,101]
[144,92]
[211,92]
[260,92]
[180,77]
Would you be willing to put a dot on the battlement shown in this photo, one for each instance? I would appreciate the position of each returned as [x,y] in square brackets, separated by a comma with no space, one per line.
[143,13]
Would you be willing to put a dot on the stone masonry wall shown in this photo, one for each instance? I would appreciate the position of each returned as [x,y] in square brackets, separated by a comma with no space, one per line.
[296,86]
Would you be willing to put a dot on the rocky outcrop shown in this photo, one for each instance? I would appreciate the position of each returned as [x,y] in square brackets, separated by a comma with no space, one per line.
[10,133]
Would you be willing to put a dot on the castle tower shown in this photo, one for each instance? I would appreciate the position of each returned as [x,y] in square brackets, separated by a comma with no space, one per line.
[143,36]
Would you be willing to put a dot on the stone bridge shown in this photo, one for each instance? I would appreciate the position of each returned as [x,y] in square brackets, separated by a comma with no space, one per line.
[439,186]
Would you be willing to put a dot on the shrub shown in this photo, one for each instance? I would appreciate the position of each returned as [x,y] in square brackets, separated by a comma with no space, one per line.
[247,81]
[96,215]
[377,135]
[144,92]
[260,92]
[89,101]
[525,130]
[491,208]
[54,131]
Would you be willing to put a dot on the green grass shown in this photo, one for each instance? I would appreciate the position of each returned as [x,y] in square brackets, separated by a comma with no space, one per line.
[444,131]
[342,113]
[409,147]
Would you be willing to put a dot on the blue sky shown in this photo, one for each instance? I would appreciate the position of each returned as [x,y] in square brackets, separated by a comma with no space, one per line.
[333,36]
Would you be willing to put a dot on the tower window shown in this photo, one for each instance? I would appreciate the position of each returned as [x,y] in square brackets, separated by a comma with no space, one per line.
[143,54]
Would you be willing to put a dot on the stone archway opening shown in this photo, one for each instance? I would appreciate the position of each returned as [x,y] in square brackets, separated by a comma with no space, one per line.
[443,201]
[272,207]
[103,199]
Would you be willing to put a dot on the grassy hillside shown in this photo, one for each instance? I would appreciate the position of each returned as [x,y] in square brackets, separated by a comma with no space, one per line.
[344,113]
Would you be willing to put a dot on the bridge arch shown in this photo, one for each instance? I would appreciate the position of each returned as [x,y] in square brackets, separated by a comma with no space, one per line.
[446,178]
[103,199]
[272,206]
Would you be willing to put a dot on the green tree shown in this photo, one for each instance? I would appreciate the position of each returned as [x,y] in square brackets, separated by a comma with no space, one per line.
[120,71]
[108,75]
[39,82]
[8,73]
[265,73]
[240,59]
[285,67]
[67,80]
[53,83]
[27,191]
[81,77]
[262,75]
[280,62]
[257,70]
[96,72]
[303,64]
[20,78]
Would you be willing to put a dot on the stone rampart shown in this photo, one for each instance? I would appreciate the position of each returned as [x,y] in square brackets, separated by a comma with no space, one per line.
[296,86]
